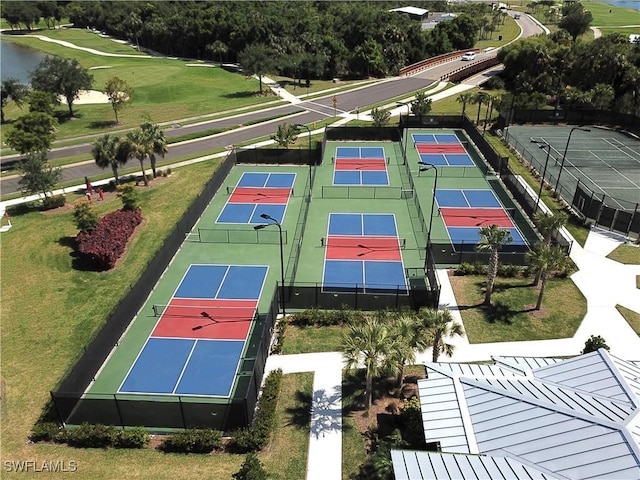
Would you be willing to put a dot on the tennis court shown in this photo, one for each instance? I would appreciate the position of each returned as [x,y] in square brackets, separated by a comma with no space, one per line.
[603,161]
[198,342]
[363,254]
[258,193]
[441,150]
[360,166]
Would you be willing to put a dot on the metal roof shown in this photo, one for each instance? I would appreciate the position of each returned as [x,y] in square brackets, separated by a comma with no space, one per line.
[417,465]
[578,418]
[411,11]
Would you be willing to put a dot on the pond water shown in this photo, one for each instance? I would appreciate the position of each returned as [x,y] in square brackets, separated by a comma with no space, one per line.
[17,61]
[626,4]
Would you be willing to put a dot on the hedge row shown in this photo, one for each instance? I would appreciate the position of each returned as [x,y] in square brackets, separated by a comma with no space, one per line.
[193,441]
[258,435]
[106,243]
[316,317]
[91,436]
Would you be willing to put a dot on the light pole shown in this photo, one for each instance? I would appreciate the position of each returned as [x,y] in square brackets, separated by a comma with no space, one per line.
[277,224]
[406,128]
[544,170]
[424,167]
[564,155]
[298,126]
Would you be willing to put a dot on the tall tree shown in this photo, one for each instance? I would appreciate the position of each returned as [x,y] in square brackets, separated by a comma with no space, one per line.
[491,239]
[156,143]
[421,105]
[61,76]
[42,102]
[440,325]
[480,98]
[37,175]
[409,337]
[576,20]
[286,135]
[12,89]
[119,94]
[32,132]
[368,342]
[105,152]
[547,226]
[257,59]
[464,98]
[545,259]
[380,117]
[138,147]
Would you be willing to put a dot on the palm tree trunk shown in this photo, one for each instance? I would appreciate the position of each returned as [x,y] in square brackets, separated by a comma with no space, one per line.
[541,294]
[491,276]
[435,352]
[144,175]
[536,281]
[369,391]
[114,168]
[479,107]
[400,377]
[152,159]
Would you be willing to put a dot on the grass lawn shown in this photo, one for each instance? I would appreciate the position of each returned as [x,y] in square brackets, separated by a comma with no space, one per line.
[512,318]
[50,311]
[164,89]
[618,16]
[622,30]
[286,456]
[311,339]
[632,318]
[627,254]
[509,31]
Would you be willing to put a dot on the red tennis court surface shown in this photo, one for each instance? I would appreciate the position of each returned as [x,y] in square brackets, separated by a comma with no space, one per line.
[224,319]
[440,148]
[260,195]
[475,217]
[360,164]
[362,248]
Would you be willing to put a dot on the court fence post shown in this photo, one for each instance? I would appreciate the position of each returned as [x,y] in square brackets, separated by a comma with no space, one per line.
[115,400]
[184,422]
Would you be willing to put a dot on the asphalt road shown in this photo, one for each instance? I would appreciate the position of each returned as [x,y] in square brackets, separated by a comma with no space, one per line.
[305,113]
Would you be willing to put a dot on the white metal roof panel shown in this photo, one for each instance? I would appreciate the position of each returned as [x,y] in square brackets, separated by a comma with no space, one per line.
[420,465]
[474,370]
[525,363]
[411,10]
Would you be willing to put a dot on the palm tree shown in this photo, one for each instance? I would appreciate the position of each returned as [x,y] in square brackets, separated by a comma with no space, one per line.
[547,226]
[105,152]
[139,148]
[367,341]
[544,260]
[409,338]
[156,142]
[479,98]
[440,325]
[491,239]
[464,98]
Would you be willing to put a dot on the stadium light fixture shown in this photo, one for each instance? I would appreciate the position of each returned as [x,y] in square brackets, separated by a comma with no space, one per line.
[277,224]
[564,155]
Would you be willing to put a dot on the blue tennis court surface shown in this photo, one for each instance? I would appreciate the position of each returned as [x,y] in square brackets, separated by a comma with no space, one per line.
[365,224]
[470,237]
[175,363]
[472,198]
[354,274]
[448,159]
[230,282]
[361,175]
[260,202]
[434,138]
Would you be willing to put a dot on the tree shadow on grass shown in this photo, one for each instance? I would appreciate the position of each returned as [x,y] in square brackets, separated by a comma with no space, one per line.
[245,94]
[103,124]
[300,415]
[499,312]
[78,261]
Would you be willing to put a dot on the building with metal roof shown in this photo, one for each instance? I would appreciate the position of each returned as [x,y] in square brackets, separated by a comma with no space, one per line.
[525,417]
[414,13]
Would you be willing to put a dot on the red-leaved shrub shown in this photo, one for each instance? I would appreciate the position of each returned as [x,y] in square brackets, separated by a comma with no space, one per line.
[107,241]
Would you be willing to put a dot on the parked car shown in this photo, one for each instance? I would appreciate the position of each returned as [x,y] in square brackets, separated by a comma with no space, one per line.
[469,56]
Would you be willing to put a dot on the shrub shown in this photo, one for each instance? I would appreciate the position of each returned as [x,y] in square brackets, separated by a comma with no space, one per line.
[464,268]
[479,268]
[128,194]
[193,441]
[251,469]
[106,243]
[47,432]
[92,436]
[168,170]
[280,332]
[509,271]
[494,83]
[412,420]
[593,343]
[315,317]
[85,217]
[136,437]
[54,201]
[257,437]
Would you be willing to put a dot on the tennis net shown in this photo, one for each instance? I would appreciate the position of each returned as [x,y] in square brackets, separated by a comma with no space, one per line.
[402,242]
[365,192]
[213,313]
[239,236]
